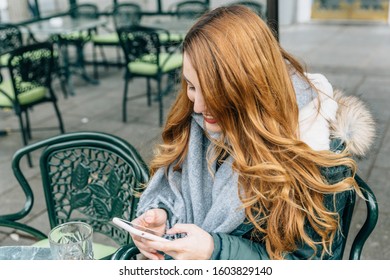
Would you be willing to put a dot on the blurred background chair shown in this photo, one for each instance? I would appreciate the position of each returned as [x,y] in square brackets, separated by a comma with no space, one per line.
[146,58]
[11,38]
[30,70]
[126,14]
[257,7]
[117,14]
[130,251]
[78,40]
[121,14]
[190,9]
[86,176]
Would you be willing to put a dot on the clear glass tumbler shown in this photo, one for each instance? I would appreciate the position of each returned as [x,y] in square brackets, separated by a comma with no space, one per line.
[71,241]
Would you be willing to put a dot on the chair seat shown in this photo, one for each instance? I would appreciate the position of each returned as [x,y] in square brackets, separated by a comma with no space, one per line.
[145,67]
[108,38]
[173,37]
[24,98]
[99,250]
[4,59]
[112,38]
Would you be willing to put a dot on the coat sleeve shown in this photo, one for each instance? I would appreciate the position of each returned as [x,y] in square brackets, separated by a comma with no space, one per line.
[232,247]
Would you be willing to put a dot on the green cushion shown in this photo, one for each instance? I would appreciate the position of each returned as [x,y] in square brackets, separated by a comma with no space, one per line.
[173,37]
[144,67]
[24,98]
[109,38]
[99,250]
[4,59]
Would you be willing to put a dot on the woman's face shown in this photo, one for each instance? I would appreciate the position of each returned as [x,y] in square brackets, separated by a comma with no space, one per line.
[194,93]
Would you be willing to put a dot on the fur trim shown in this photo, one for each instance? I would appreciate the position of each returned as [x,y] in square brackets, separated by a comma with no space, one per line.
[314,118]
[354,124]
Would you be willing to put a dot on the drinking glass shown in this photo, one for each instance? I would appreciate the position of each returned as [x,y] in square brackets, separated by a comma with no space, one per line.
[71,241]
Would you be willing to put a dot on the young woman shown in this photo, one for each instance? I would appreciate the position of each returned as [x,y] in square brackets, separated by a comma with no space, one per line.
[255,161]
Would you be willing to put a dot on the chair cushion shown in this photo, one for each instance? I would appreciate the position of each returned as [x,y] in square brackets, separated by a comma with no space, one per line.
[173,37]
[24,98]
[108,38]
[4,59]
[145,67]
[99,250]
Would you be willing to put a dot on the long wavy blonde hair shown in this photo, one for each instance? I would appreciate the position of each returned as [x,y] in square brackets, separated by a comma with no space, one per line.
[246,86]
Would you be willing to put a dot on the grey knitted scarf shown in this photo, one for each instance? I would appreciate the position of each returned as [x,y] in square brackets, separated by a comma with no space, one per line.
[195,196]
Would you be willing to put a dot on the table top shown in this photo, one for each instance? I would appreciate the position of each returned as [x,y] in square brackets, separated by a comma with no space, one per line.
[173,25]
[64,25]
[24,253]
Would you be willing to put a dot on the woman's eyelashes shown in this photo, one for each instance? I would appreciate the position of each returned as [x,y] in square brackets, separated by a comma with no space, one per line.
[190,88]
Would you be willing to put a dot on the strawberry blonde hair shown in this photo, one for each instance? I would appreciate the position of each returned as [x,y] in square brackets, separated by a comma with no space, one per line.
[246,85]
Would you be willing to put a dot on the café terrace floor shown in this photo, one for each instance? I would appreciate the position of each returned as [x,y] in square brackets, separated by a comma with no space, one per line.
[354,57]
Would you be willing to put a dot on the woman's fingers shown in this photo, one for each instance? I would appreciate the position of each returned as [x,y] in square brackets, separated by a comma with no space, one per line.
[151,256]
[148,252]
[180,228]
[155,217]
[164,246]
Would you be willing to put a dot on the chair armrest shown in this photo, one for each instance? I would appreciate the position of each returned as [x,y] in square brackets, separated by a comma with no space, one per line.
[39,235]
[370,222]
[126,252]
[174,49]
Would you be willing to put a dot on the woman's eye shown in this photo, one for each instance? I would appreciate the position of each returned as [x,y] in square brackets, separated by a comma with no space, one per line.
[191,88]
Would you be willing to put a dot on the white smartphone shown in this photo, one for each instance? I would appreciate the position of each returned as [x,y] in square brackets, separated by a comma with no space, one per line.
[139,230]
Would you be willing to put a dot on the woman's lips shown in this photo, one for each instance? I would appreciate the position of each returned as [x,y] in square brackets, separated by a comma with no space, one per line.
[210,121]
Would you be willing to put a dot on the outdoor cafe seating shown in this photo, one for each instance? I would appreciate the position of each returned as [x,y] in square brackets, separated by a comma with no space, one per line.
[86,176]
[30,84]
[144,58]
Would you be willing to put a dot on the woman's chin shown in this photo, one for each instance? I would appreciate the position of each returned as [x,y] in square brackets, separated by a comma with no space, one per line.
[212,127]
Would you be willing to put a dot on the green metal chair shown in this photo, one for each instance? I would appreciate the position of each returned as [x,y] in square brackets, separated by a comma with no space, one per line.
[77,40]
[11,38]
[109,38]
[145,57]
[190,9]
[370,221]
[130,251]
[30,68]
[86,176]
[122,14]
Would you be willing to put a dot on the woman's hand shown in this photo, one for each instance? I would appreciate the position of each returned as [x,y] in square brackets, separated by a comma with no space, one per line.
[154,219]
[197,245]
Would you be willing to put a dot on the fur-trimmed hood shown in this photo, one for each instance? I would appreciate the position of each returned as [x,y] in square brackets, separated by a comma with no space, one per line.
[334,115]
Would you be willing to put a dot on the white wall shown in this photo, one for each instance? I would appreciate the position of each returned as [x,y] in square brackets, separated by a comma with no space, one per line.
[303,11]
[4,10]
[287,11]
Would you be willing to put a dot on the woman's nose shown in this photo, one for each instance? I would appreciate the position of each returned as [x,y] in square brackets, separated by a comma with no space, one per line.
[199,106]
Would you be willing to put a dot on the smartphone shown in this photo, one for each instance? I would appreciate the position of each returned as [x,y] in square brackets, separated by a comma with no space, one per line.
[139,230]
